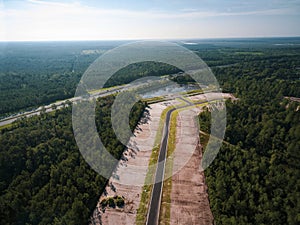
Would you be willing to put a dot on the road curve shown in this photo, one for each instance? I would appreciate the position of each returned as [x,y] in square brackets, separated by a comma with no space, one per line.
[155,202]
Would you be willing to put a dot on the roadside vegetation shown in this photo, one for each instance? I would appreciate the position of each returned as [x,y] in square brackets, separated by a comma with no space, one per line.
[165,210]
[113,202]
[40,74]
[255,179]
[142,211]
[43,177]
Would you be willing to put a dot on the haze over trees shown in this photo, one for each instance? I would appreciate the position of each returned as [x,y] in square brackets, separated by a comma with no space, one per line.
[37,74]
[253,180]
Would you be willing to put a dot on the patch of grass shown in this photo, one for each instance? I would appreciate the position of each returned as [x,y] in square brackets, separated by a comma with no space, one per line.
[204,137]
[192,92]
[165,210]
[154,99]
[7,126]
[147,188]
[104,89]
[205,103]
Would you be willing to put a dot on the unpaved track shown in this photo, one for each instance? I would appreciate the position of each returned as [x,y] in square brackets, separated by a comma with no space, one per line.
[189,198]
[131,170]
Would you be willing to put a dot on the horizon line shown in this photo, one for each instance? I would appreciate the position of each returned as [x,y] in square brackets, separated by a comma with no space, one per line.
[155,39]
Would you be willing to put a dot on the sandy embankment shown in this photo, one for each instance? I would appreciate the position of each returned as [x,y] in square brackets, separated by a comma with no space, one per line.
[131,171]
[189,198]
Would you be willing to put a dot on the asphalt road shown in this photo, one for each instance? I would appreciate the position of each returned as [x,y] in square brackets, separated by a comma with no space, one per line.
[153,212]
[155,202]
[59,105]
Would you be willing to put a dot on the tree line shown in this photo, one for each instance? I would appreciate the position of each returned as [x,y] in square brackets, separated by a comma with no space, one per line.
[255,176]
[43,177]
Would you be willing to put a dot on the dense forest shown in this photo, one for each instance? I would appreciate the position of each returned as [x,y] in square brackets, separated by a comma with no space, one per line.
[43,177]
[39,73]
[35,74]
[140,70]
[255,178]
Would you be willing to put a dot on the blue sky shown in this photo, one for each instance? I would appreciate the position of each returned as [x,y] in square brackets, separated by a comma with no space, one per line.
[151,19]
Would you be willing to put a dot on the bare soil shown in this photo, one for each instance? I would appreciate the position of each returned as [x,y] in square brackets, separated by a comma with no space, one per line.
[189,198]
[128,179]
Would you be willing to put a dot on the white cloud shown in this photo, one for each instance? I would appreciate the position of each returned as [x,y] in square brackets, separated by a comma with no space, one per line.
[45,20]
[40,2]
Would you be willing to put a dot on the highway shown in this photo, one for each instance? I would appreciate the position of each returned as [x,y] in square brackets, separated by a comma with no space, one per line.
[60,104]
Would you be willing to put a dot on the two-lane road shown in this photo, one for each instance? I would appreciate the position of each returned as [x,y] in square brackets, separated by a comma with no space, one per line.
[60,104]
[155,202]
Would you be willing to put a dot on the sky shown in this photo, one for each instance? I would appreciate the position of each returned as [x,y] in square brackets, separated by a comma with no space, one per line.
[45,20]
